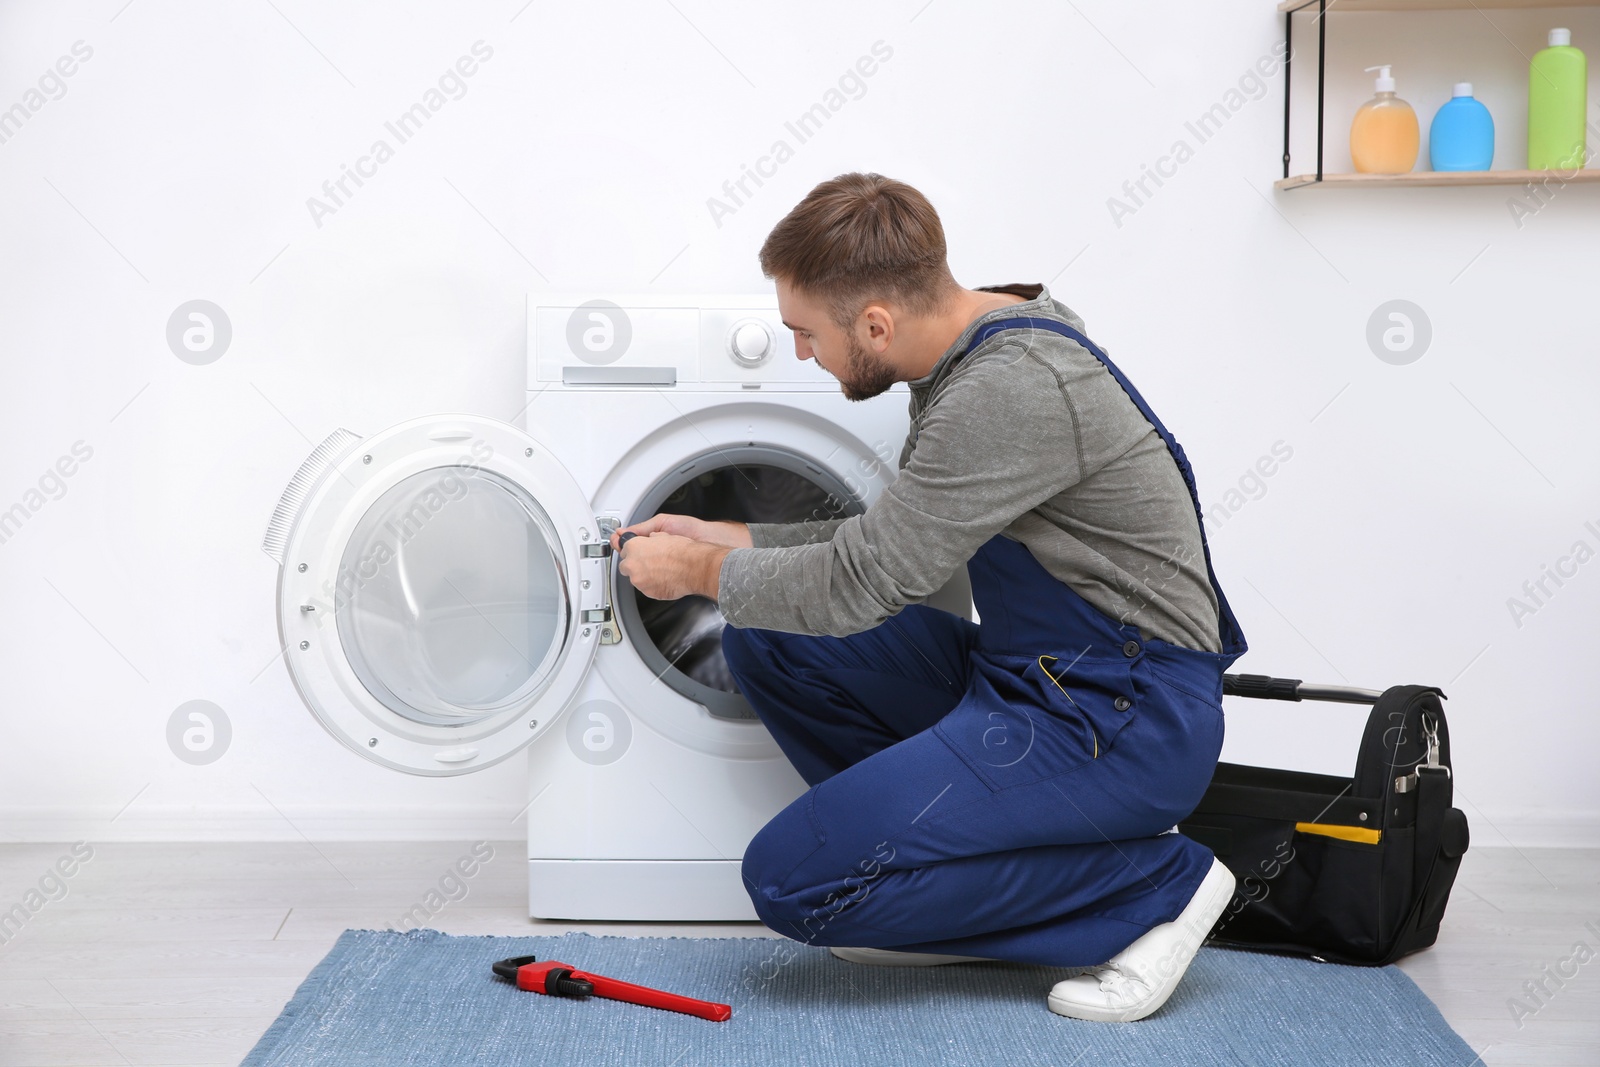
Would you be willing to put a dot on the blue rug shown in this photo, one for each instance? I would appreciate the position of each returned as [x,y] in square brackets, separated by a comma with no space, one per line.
[422,997]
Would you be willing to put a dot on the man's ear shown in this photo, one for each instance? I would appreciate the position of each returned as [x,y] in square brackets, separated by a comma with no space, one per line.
[876,328]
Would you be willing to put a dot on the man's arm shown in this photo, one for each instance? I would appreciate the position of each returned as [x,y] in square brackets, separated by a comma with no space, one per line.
[1000,441]
[810,531]
[781,534]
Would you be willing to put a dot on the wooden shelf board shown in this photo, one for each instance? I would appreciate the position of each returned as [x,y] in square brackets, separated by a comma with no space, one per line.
[1427,5]
[1437,177]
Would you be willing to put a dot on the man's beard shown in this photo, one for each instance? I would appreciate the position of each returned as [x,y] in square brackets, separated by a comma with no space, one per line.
[865,375]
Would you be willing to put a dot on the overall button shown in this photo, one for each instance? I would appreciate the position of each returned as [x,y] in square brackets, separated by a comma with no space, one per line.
[1122,703]
[1131,648]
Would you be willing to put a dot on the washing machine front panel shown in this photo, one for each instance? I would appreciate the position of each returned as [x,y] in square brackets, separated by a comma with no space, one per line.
[444,586]
[641,807]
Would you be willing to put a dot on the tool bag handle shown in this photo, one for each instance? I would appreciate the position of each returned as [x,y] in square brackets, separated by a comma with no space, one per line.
[1265,687]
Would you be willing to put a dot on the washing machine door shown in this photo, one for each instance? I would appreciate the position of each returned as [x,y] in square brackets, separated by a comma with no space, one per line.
[443,586]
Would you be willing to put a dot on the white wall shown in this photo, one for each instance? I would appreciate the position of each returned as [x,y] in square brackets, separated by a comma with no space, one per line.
[178,163]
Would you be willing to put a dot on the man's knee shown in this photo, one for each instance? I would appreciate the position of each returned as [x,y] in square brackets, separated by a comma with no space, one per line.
[781,870]
[790,913]
[769,864]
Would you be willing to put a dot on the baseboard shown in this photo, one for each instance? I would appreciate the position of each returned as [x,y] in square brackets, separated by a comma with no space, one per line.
[153,822]
[1525,828]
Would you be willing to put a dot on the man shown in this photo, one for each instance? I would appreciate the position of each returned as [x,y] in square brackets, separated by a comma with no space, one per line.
[999,790]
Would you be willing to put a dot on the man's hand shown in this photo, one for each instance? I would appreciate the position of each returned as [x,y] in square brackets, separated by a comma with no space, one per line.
[727,534]
[666,566]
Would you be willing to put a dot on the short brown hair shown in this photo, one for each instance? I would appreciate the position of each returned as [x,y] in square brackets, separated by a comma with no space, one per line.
[858,238]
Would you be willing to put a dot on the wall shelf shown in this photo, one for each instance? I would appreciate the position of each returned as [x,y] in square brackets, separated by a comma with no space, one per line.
[1441,177]
[1433,5]
[1321,8]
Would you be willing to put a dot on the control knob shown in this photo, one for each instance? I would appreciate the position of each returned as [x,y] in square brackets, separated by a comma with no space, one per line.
[751,343]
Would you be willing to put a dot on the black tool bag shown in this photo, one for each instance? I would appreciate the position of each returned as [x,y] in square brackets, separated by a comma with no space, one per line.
[1353,870]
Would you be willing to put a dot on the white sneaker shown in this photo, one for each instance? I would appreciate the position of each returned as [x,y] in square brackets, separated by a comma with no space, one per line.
[1140,978]
[888,957]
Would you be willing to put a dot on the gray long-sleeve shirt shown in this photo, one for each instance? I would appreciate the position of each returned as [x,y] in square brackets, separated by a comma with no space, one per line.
[1027,435]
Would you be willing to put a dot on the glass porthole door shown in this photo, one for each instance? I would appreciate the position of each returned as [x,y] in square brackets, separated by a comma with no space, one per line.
[441,592]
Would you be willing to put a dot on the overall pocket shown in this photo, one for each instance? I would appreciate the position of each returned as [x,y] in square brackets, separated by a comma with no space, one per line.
[1100,691]
[1025,719]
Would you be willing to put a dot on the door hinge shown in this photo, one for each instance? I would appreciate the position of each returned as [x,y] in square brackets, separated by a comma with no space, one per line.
[600,552]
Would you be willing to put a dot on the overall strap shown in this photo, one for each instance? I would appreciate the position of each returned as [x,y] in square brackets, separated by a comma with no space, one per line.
[1233,643]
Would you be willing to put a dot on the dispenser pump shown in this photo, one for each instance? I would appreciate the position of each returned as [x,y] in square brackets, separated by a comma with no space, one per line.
[1383,135]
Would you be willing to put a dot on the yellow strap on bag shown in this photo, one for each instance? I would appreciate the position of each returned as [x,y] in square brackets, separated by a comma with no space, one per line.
[1343,833]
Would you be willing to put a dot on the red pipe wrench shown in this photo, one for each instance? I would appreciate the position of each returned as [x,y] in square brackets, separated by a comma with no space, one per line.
[558,979]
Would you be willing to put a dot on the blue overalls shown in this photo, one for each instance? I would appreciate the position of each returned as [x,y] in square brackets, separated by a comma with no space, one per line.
[998,790]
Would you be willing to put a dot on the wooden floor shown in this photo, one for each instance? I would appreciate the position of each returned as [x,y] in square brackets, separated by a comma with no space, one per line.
[183,954]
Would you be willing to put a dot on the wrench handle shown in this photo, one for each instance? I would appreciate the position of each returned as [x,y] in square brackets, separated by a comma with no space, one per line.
[615,989]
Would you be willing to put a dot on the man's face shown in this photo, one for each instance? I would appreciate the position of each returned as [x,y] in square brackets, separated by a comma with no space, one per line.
[862,372]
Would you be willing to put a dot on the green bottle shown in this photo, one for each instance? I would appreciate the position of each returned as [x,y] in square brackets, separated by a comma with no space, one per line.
[1557,83]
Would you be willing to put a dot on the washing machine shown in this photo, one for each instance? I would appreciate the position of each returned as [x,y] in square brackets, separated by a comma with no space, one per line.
[448,599]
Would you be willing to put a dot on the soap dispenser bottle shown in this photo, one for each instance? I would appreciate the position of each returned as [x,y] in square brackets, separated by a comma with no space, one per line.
[1557,80]
[1462,134]
[1384,137]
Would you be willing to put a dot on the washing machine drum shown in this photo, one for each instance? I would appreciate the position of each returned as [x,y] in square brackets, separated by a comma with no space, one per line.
[681,640]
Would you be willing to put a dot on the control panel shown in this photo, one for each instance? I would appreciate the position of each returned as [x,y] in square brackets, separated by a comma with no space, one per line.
[655,341]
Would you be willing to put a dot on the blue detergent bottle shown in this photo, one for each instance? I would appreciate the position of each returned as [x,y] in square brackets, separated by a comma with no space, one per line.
[1462,134]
